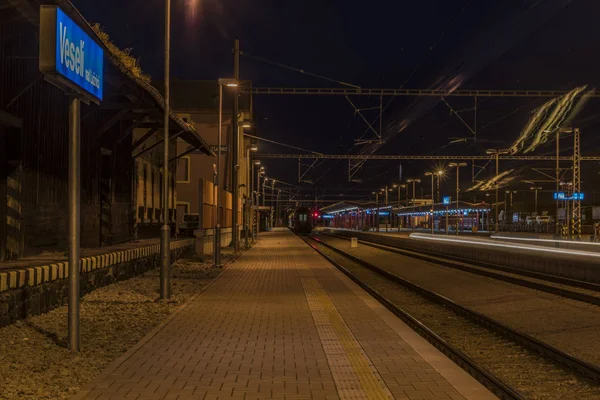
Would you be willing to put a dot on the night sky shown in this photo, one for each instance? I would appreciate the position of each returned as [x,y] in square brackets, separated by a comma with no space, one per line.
[491,44]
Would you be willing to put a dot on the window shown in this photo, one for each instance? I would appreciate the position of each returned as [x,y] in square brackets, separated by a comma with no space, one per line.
[183,170]
[185,118]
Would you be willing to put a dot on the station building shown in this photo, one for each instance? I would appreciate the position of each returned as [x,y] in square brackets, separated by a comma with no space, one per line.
[121,152]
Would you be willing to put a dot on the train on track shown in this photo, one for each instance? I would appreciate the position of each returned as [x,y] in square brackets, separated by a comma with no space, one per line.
[302,221]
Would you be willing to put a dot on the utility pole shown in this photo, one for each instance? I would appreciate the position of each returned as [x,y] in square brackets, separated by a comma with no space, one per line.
[576,207]
[165,230]
[556,226]
[457,165]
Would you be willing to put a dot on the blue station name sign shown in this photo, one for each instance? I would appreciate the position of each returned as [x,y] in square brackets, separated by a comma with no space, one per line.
[68,55]
[564,196]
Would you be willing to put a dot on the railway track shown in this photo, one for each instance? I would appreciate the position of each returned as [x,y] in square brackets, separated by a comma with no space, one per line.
[586,292]
[588,373]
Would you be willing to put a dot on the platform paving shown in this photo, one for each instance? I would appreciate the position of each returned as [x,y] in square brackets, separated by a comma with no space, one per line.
[283,323]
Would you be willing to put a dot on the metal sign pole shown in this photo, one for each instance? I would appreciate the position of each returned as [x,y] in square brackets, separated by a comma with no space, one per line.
[74,221]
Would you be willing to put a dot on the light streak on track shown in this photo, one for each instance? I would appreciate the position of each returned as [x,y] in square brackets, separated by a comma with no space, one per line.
[544,240]
[471,242]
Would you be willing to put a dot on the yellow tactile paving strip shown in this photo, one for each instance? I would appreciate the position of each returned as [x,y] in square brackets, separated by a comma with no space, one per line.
[354,374]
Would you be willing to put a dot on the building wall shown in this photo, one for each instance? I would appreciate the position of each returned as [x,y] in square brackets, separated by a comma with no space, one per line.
[194,169]
[147,185]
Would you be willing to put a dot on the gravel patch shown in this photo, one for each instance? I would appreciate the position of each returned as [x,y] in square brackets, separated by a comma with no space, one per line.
[34,360]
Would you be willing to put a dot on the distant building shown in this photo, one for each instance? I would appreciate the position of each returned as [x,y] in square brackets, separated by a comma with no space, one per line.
[198,103]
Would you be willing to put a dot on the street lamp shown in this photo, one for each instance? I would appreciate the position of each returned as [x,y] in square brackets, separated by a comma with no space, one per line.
[433,175]
[497,153]
[254,196]
[413,181]
[249,193]
[458,166]
[273,181]
[165,230]
[439,174]
[506,202]
[386,190]
[536,188]
[376,211]
[232,83]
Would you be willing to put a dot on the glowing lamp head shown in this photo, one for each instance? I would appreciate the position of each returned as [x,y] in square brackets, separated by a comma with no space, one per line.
[229,82]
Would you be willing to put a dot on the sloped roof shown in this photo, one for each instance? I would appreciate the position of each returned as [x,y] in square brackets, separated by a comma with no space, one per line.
[30,10]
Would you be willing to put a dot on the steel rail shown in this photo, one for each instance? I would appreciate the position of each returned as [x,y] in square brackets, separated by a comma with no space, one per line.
[582,367]
[486,378]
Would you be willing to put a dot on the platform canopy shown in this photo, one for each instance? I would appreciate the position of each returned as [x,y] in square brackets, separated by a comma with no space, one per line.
[441,208]
[343,206]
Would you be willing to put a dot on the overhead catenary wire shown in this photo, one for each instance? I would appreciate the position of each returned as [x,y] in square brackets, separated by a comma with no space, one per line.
[280,144]
[299,70]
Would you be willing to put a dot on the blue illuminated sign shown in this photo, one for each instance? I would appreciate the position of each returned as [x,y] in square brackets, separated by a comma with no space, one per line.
[325,216]
[383,213]
[563,196]
[446,199]
[69,54]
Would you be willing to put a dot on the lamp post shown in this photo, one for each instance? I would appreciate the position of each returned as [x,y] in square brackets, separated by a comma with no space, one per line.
[497,153]
[376,211]
[432,174]
[506,196]
[249,191]
[386,190]
[458,166]
[165,230]
[217,239]
[278,208]
[273,181]
[413,181]
[397,187]
[259,173]
[439,174]
[536,188]
[254,194]
[264,200]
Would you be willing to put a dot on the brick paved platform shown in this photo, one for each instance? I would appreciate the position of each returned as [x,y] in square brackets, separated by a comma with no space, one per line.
[282,323]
